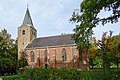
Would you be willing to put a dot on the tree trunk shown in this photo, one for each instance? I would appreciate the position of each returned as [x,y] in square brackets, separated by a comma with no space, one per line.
[117,63]
[106,64]
[80,57]
[92,63]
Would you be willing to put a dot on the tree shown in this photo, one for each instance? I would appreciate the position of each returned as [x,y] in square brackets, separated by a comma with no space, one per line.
[86,18]
[8,50]
[116,50]
[5,46]
[106,46]
[92,55]
[22,63]
[14,51]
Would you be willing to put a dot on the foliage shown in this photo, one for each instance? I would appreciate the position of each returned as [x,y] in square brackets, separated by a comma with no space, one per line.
[63,74]
[8,50]
[106,47]
[92,55]
[22,62]
[116,50]
[94,7]
[87,17]
[110,45]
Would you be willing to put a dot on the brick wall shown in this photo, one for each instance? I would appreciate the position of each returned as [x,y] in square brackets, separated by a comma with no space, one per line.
[55,57]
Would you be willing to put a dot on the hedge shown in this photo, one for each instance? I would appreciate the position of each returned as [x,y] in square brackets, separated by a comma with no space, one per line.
[63,74]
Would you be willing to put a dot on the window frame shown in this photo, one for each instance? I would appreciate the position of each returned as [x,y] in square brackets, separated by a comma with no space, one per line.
[32,55]
[23,32]
[64,56]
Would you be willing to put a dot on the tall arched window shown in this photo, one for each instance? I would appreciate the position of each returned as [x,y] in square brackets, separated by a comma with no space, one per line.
[32,56]
[63,55]
[23,32]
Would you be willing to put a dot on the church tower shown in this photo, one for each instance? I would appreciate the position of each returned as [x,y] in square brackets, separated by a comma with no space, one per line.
[26,32]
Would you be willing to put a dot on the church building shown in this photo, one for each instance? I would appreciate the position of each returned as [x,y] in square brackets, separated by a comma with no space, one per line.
[51,51]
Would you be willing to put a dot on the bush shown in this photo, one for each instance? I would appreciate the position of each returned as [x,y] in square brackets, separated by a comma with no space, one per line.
[63,74]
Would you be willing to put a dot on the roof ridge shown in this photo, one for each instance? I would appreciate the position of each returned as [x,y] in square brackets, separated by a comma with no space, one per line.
[53,36]
[52,41]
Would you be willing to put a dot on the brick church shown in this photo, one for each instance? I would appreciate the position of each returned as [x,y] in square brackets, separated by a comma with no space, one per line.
[51,51]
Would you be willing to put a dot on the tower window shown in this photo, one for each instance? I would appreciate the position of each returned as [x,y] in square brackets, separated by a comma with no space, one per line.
[23,32]
[32,56]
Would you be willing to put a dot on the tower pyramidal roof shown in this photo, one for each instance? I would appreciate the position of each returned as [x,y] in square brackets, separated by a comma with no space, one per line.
[27,19]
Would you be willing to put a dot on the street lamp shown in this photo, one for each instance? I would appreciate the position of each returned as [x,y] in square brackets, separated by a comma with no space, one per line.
[46,56]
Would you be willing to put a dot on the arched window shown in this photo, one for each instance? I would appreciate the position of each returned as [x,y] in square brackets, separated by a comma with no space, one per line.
[23,32]
[63,55]
[32,56]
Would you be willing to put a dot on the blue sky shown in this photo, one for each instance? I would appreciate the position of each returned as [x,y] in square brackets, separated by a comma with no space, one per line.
[50,17]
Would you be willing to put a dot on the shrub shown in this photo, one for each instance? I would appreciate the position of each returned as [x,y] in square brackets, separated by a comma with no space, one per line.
[63,74]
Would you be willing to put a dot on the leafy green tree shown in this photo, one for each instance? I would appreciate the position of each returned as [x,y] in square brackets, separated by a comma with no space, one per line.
[111,46]
[93,55]
[7,50]
[5,46]
[14,51]
[116,50]
[22,62]
[87,17]
[106,46]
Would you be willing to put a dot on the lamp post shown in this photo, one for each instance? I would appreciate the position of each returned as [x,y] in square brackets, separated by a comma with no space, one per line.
[46,64]
[75,60]
[73,56]
[39,58]
[55,57]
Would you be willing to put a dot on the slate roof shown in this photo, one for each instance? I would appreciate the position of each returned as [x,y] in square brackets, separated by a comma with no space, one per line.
[51,41]
[27,19]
